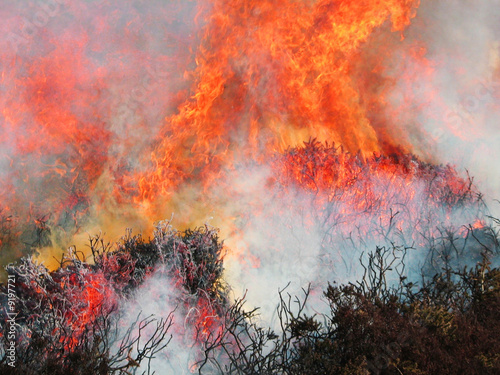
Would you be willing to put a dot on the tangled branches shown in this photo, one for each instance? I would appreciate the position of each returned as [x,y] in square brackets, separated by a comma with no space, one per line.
[70,321]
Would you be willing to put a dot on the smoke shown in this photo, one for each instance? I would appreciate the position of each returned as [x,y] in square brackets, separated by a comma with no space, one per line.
[454,103]
[85,87]
[157,299]
[95,93]
[289,237]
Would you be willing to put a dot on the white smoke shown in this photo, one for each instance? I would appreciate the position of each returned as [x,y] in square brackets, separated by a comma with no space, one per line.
[457,106]
[291,238]
[287,244]
[157,299]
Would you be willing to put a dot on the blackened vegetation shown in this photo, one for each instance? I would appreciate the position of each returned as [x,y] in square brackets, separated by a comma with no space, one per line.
[67,319]
[67,323]
[194,257]
[447,324]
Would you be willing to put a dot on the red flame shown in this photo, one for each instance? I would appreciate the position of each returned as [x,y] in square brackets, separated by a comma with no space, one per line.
[263,77]
[111,112]
[270,75]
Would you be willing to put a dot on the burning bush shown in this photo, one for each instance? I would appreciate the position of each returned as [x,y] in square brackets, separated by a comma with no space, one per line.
[313,132]
[69,319]
[76,318]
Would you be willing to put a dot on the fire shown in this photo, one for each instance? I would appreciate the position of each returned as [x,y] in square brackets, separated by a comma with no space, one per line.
[269,76]
[90,297]
[121,131]
[268,116]
[251,81]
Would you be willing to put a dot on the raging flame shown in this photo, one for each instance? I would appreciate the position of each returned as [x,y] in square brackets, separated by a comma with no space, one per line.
[135,112]
[269,76]
[84,144]
[271,117]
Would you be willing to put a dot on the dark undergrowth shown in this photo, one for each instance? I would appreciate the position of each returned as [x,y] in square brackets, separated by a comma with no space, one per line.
[66,320]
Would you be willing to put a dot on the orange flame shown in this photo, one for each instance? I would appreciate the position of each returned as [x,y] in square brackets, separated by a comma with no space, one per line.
[122,132]
[270,75]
